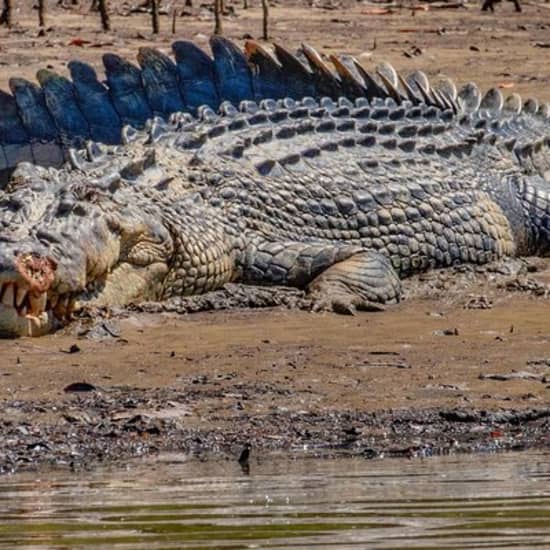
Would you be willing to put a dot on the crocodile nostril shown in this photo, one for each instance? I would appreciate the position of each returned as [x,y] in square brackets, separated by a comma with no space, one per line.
[48,236]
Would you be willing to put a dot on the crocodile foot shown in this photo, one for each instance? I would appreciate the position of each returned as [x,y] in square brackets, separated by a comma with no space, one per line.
[363,282]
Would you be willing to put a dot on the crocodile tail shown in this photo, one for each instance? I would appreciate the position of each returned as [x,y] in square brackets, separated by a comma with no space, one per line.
[522,126]
[39,123]
[126,90]
[15,144]
[95,103]
[196,76]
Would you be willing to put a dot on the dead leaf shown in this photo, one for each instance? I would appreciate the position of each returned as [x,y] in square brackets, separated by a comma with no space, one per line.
[377,11]
[79,42]
[79,387]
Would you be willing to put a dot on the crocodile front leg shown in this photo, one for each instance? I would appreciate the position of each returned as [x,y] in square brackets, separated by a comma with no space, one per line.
[358,283]
[340,278]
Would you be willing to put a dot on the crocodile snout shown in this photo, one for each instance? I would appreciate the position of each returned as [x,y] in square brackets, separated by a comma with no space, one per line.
[25,279]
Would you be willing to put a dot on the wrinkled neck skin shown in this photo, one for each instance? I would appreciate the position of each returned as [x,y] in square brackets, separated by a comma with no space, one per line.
[181,248]
[205,250]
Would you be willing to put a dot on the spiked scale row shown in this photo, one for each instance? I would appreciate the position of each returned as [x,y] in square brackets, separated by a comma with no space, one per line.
[40,123]
[287,136]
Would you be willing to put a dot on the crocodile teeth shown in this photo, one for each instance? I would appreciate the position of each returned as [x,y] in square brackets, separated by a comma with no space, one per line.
[60,309]
[37,303]
[20,296]
[39,325]
[8,296]
[71,306]
[53,301]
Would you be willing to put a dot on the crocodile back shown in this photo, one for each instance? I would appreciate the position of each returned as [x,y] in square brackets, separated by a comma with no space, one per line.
[61,114]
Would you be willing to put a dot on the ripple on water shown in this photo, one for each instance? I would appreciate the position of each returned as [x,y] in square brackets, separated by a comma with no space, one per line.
[488,501]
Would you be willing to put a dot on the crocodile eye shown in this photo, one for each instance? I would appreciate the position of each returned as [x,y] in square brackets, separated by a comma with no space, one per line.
[80,209]
[14,204]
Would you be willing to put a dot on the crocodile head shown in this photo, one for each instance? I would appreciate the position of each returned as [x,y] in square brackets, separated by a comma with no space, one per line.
[65,239]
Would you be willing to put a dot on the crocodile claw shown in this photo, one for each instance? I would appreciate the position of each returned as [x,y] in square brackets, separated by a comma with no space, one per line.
[343,304]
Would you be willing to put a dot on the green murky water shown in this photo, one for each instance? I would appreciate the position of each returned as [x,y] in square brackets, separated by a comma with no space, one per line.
[487,501]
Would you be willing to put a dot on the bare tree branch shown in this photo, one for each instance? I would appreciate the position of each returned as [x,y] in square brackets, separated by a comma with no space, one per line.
[155,15]
[218,6]
[5,16]
[104,14]
[265,21]
[41,9]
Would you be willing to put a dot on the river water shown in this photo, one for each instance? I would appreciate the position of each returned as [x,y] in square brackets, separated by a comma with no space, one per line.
[480,501]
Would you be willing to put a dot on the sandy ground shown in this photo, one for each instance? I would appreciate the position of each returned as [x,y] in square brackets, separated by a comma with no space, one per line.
[466,347]
[504,48]
[422,353]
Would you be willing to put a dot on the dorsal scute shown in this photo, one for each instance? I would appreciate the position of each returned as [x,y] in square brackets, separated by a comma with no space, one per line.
[448,92]
[248,106]
[470,97]
[530,106]
[493,101]
[60,99]
[159,76]
[233,77]
[157,128]
[40,123]
[351,81]
[421,87]
[126,90]
[205,113]
[95,104]
[129,134]
[448,87]
[513,104]
[94,151]
[180,119]
[389,78]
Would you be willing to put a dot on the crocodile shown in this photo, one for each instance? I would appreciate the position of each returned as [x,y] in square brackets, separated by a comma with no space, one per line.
[268,168]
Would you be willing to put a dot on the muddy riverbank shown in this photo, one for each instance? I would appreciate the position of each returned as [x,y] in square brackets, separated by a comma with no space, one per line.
[463,364]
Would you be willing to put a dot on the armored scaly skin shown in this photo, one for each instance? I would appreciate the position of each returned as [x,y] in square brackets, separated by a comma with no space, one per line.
[339,197]
[40,124]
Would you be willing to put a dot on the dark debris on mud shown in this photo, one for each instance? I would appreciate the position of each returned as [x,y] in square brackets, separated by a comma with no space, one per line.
[110,425]
[502,276]
[231,296]
[511,275]
[93,425]
[454,283]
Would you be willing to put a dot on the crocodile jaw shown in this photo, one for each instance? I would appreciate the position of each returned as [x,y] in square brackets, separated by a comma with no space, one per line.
[13,323]
[26,310]
[127,284]
[24,306]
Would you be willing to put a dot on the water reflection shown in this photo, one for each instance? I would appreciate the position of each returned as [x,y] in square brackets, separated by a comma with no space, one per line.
[492,501]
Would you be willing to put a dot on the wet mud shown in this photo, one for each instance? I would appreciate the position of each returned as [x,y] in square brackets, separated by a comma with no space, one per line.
[461,365]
